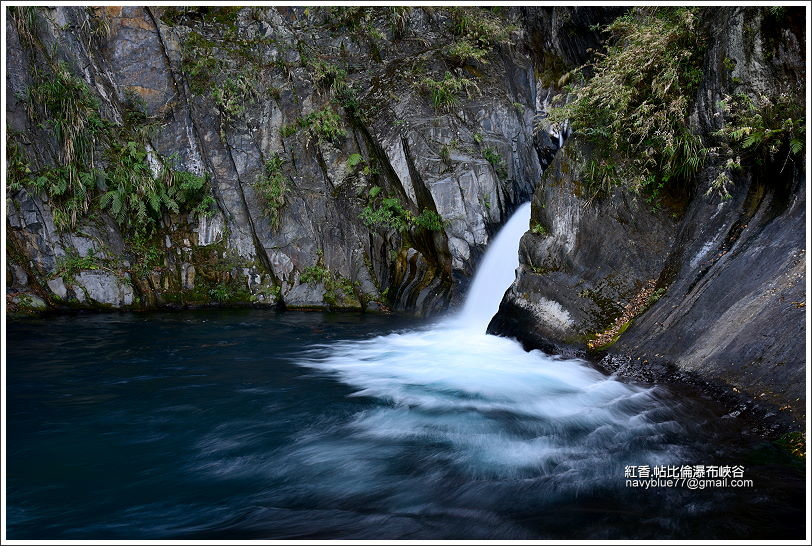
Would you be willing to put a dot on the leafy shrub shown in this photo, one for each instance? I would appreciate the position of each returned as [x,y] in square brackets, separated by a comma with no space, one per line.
[539,229]
[147,252]
[70,264]
[272,185]
[445,155]
[496,161]
[337,289]
[635,106]
[350,17]
[429,220]
[71,111]
[25,19]
[463,51]
[17,167]
[72,115]
[288,130]
[134,195]
[444,93]
[325,125]
[328,76]
[354,160]
[399,20]
[479,27]
[69,190]
[220,293]
[389,213]
[762,127]
[314,274]
[138,198]
[234,94]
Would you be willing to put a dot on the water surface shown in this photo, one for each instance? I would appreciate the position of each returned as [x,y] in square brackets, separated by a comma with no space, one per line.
[252,424]
[256,424]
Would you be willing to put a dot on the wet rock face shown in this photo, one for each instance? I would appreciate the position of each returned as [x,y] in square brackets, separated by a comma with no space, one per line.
[471,160]
[727,309]
[583,258]
[568,35]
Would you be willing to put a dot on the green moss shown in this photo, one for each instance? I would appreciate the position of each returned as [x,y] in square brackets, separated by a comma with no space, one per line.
[608,310]
[625,326]
[26,304]
[655,297]
[199,62]
[222,15]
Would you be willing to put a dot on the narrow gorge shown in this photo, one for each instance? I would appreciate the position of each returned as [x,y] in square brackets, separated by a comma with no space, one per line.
[421,261]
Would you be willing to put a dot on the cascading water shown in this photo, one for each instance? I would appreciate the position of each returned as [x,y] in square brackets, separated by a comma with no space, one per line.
[495,273]
[460,403]
[213,425]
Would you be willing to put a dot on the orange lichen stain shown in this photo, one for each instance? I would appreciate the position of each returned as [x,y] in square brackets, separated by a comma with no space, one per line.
[637,305]
[112,11]
[143,92]
[137,22]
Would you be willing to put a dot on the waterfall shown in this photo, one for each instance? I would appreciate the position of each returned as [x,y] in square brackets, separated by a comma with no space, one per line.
[496,272]
[485,405]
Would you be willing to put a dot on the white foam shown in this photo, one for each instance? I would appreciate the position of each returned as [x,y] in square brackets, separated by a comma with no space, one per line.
[488,406]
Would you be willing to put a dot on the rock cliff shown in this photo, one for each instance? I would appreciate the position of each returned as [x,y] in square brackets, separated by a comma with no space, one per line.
[357,158]
[707,285]
[361,158]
